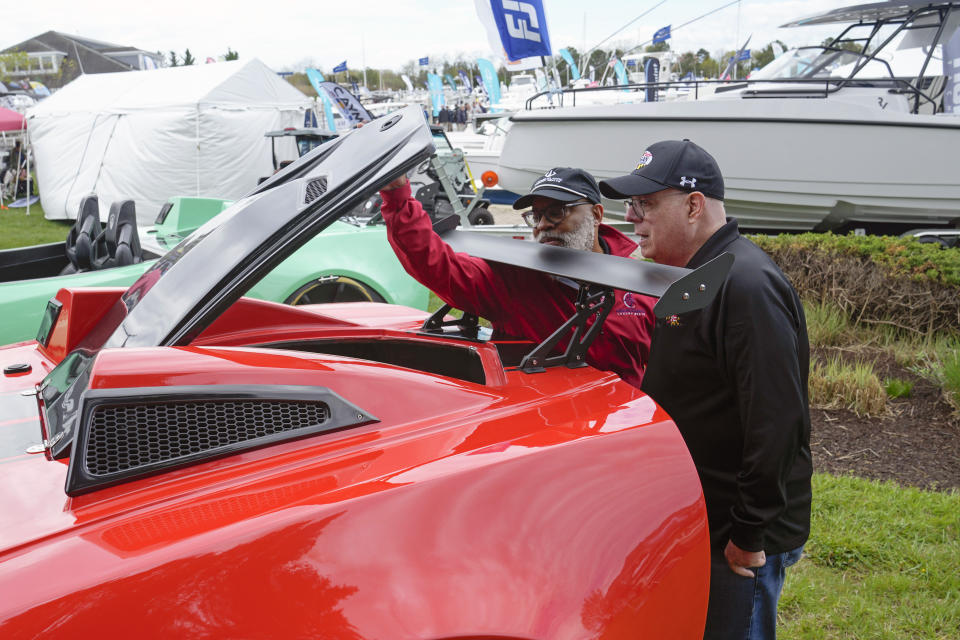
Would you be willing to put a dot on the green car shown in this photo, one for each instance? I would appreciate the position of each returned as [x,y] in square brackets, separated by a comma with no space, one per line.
[349,262]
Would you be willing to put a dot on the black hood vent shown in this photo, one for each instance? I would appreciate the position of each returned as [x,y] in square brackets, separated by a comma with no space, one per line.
[132,433]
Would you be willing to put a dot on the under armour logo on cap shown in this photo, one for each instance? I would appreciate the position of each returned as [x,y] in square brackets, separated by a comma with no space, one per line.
[684,182]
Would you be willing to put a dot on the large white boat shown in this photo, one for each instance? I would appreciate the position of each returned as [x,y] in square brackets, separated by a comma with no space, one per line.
[831,137]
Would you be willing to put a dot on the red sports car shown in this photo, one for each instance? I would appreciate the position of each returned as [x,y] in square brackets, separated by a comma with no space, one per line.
[180,461]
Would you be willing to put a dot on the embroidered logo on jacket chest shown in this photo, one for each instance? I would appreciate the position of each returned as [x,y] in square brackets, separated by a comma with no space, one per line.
[630,306]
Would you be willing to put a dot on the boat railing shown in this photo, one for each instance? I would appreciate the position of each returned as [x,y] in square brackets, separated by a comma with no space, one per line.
[766,88]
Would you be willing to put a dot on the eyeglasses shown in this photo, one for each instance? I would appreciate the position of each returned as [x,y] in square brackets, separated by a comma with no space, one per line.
[554,214]
[641,205]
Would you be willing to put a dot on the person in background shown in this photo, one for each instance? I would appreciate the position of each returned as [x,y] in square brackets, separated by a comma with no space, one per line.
[522,303]
[733,377]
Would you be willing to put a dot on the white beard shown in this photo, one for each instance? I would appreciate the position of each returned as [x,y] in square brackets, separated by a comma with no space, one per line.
[581,237]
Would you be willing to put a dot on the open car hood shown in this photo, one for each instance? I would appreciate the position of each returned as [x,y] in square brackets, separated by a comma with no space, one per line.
[220,261]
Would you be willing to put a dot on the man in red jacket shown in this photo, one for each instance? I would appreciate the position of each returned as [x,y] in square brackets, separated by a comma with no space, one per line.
[566,212]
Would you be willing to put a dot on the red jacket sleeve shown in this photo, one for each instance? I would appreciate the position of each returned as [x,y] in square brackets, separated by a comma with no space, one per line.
[461,280]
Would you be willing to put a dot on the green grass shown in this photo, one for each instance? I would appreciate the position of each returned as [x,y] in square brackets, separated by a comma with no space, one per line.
[827,324]
[897,388]
[17,229]
[882,562]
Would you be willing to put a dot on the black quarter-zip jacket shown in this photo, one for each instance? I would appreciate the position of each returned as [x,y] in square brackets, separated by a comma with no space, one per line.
[733,376]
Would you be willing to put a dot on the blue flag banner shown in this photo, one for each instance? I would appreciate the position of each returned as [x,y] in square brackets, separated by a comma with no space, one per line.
[651,69]
[464,78]
[490,81]
[744,55]
[688,77]
[951,67]
[435,85]
[522,27]
[662,35]
[424,61]
[621,72]
[316,78]
[340,67]
[573,65]
[631,63]
[347,103]
[450,81]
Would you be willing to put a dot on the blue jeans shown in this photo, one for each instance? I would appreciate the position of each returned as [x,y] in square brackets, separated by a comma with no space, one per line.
[746,608]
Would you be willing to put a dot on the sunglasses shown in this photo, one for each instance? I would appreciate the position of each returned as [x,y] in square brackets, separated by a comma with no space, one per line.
[554,214]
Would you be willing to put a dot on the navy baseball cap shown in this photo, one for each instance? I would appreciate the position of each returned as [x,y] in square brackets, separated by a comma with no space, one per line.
[670,164]
[564,184]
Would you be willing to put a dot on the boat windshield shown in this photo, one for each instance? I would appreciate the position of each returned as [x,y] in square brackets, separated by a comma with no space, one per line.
[869,51]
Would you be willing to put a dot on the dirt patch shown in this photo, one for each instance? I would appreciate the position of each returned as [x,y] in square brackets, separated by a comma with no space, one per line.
[917,442]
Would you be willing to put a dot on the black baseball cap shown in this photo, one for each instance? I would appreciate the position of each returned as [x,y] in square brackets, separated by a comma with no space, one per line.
[670,164]
[564,184]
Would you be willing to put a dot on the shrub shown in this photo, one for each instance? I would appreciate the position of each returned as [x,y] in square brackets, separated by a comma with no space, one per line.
[900,282]
[835,384]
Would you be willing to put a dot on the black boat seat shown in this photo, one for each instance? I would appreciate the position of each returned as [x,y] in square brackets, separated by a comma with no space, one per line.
[119,245]
[80,241]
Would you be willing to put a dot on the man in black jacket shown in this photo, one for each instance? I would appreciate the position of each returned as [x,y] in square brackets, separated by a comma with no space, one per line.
[734,378]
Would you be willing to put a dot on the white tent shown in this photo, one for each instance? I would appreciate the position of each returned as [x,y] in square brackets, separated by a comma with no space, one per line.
[148,135]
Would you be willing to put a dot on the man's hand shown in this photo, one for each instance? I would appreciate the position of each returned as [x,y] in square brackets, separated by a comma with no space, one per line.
[399,182]
[739,560]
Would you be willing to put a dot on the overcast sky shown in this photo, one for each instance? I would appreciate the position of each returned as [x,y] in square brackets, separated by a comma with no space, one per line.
[288,35]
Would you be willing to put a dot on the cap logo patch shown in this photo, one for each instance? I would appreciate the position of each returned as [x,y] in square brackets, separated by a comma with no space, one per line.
[645,159]
[550,174]
[688,182]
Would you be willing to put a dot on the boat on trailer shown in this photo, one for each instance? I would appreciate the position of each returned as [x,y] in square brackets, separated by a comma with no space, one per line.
[848,135]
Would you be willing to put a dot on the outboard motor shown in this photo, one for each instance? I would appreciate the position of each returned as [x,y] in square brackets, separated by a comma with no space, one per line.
[119,245]
[82,236]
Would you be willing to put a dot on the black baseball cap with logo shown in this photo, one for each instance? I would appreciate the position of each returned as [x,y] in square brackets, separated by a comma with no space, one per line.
[670,164]
[564,184]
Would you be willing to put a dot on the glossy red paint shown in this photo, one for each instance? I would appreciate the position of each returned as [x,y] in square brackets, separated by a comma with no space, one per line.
[82,309]
[555,505]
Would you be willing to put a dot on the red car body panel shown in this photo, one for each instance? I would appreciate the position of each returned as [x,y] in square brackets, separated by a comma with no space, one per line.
[562,504]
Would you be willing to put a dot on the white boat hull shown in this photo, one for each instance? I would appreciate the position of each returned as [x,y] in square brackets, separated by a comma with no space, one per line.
[789,165]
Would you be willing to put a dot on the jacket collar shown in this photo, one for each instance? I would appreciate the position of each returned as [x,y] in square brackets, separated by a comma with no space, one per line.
[617,244]
[715,244]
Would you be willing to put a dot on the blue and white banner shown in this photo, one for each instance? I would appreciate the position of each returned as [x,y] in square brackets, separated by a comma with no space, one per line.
[951,67]
[490,81]
[573,65]
[744,55]
[662,35]
[464,78]
[436,92]
[651,70]
[340,67]
[347,103]
[621,72]
[316,78]
[424,61]
[518,26]
[450,81]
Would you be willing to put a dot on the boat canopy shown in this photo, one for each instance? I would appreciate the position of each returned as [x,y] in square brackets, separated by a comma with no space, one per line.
[872,12]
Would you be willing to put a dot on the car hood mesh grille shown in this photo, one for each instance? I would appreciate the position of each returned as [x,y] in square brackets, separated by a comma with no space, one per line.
[130,433]
[128,436]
